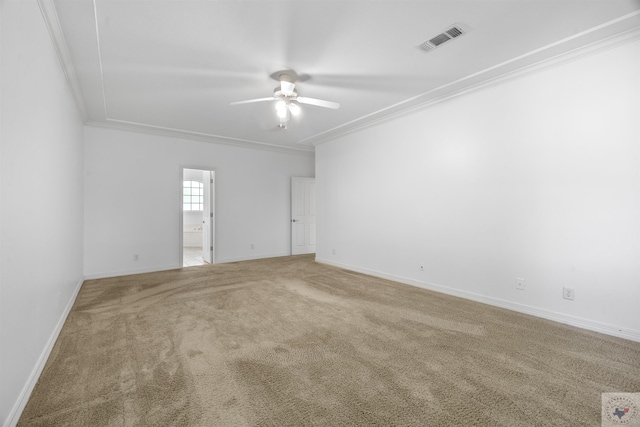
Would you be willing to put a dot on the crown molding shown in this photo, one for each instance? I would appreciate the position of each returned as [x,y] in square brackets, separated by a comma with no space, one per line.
[625,29]
[609,35]
[52,23]
[48,10]
[305,150]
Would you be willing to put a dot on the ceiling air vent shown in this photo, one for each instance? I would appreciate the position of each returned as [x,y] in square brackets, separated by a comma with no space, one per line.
[451,33]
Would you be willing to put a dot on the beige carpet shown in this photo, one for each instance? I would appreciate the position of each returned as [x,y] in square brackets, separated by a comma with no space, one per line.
[289,342]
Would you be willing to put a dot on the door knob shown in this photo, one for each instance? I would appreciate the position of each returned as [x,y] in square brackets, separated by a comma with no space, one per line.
[294,220]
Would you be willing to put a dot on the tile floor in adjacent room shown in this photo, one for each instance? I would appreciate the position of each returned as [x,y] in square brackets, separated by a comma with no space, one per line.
[192,256]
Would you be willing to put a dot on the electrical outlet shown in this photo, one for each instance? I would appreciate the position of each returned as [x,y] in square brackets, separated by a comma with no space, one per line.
[333,251]
[253,246]
[520,283]
[422,266]
[136,257]
[568,293]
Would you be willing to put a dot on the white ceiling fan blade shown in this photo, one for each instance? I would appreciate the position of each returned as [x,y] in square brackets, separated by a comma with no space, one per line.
[250,101]
[318,102]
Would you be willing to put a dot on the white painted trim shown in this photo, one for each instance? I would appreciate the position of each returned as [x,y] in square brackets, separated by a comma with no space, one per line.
[496,74]
[238,259]
[52,23]
[106,275]
[99,50]
[176,267]
[305,150]
[591,325]
[510,69]
[181,218]
[48,10]
[25,394]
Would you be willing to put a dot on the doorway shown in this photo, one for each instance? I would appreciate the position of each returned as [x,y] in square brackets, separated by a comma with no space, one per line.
[197,219]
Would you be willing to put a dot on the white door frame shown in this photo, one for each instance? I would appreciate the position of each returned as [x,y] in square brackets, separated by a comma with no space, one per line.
[208,181]
[181,210]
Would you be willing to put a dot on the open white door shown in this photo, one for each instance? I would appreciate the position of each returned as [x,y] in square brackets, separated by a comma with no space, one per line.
[303,215]
[207,216]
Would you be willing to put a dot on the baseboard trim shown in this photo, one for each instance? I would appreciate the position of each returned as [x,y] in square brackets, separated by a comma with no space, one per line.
[25,394]
[238,259]
[104,275]
[579,322]
[93,276]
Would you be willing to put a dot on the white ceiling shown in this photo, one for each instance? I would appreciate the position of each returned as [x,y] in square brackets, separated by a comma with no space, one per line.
[174,66]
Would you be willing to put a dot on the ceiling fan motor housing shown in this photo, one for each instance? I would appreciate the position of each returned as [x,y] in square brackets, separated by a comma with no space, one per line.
[287,96]
[286,86]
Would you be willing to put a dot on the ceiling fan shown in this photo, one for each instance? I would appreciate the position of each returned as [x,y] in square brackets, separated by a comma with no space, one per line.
[287,98]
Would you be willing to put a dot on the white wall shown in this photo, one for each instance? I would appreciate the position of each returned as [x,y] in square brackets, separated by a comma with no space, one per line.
[133,197]
[536,177]
[41,194]
[192,218]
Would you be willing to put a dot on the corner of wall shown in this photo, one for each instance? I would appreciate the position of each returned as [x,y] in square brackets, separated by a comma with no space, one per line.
[23,398]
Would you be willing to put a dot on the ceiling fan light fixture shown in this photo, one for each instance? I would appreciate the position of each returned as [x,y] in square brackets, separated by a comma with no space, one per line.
[287,99]
[294,108]
[281,109]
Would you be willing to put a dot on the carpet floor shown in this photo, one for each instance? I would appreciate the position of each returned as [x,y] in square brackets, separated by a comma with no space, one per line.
[290,342]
